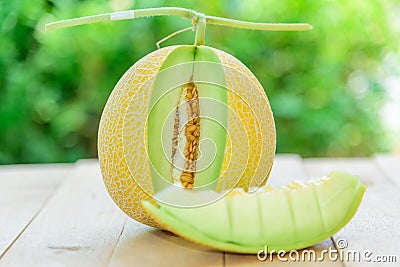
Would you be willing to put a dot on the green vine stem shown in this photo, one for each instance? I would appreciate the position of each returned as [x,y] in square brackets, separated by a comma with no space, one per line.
[198,20]
[200,23]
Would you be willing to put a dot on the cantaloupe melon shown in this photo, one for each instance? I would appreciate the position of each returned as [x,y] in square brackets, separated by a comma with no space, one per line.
[188,115]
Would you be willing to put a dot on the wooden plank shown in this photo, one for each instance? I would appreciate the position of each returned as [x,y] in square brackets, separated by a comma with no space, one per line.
[365,168]
[79,226]
[389,164]
[286,168]
[375,227]
[24,189]
[141,245]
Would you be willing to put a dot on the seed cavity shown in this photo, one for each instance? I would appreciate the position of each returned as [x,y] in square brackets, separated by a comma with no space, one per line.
[175,137]
[192,133]
[190,144]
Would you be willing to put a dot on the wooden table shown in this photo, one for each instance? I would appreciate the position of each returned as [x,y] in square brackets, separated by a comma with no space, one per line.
[61,215]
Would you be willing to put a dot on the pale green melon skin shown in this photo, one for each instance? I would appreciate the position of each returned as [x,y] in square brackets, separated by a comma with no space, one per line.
[279,220]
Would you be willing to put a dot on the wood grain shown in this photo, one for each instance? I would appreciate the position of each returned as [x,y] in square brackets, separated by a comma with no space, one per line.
[389,165]
[286,168]
[365,168]
[44,222]
[24,189]
[141,245]
[79,226]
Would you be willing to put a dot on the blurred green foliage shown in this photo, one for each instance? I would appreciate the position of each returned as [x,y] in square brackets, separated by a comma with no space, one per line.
[324,85]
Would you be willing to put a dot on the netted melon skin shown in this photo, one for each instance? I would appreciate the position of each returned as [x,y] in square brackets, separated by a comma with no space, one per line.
[121,183]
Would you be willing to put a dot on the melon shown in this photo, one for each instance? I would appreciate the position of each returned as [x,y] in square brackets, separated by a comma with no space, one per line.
[295,216]
[189,116]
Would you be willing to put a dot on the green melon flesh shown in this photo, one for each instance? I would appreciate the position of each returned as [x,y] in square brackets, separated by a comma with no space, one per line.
[210,80]
[183,65]
[281,219]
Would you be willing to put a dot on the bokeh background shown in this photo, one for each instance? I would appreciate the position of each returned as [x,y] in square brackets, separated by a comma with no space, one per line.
[335,91]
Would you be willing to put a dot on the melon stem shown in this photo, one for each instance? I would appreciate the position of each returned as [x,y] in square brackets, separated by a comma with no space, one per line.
[179,12]
[200,24]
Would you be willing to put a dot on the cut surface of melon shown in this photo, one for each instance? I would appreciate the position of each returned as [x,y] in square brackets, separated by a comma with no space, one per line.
[186,71]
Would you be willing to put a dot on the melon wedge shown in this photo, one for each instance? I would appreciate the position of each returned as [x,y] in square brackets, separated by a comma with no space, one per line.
[291,217]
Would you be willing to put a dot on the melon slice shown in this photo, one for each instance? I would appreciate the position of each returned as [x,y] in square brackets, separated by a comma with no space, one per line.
[291,217]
